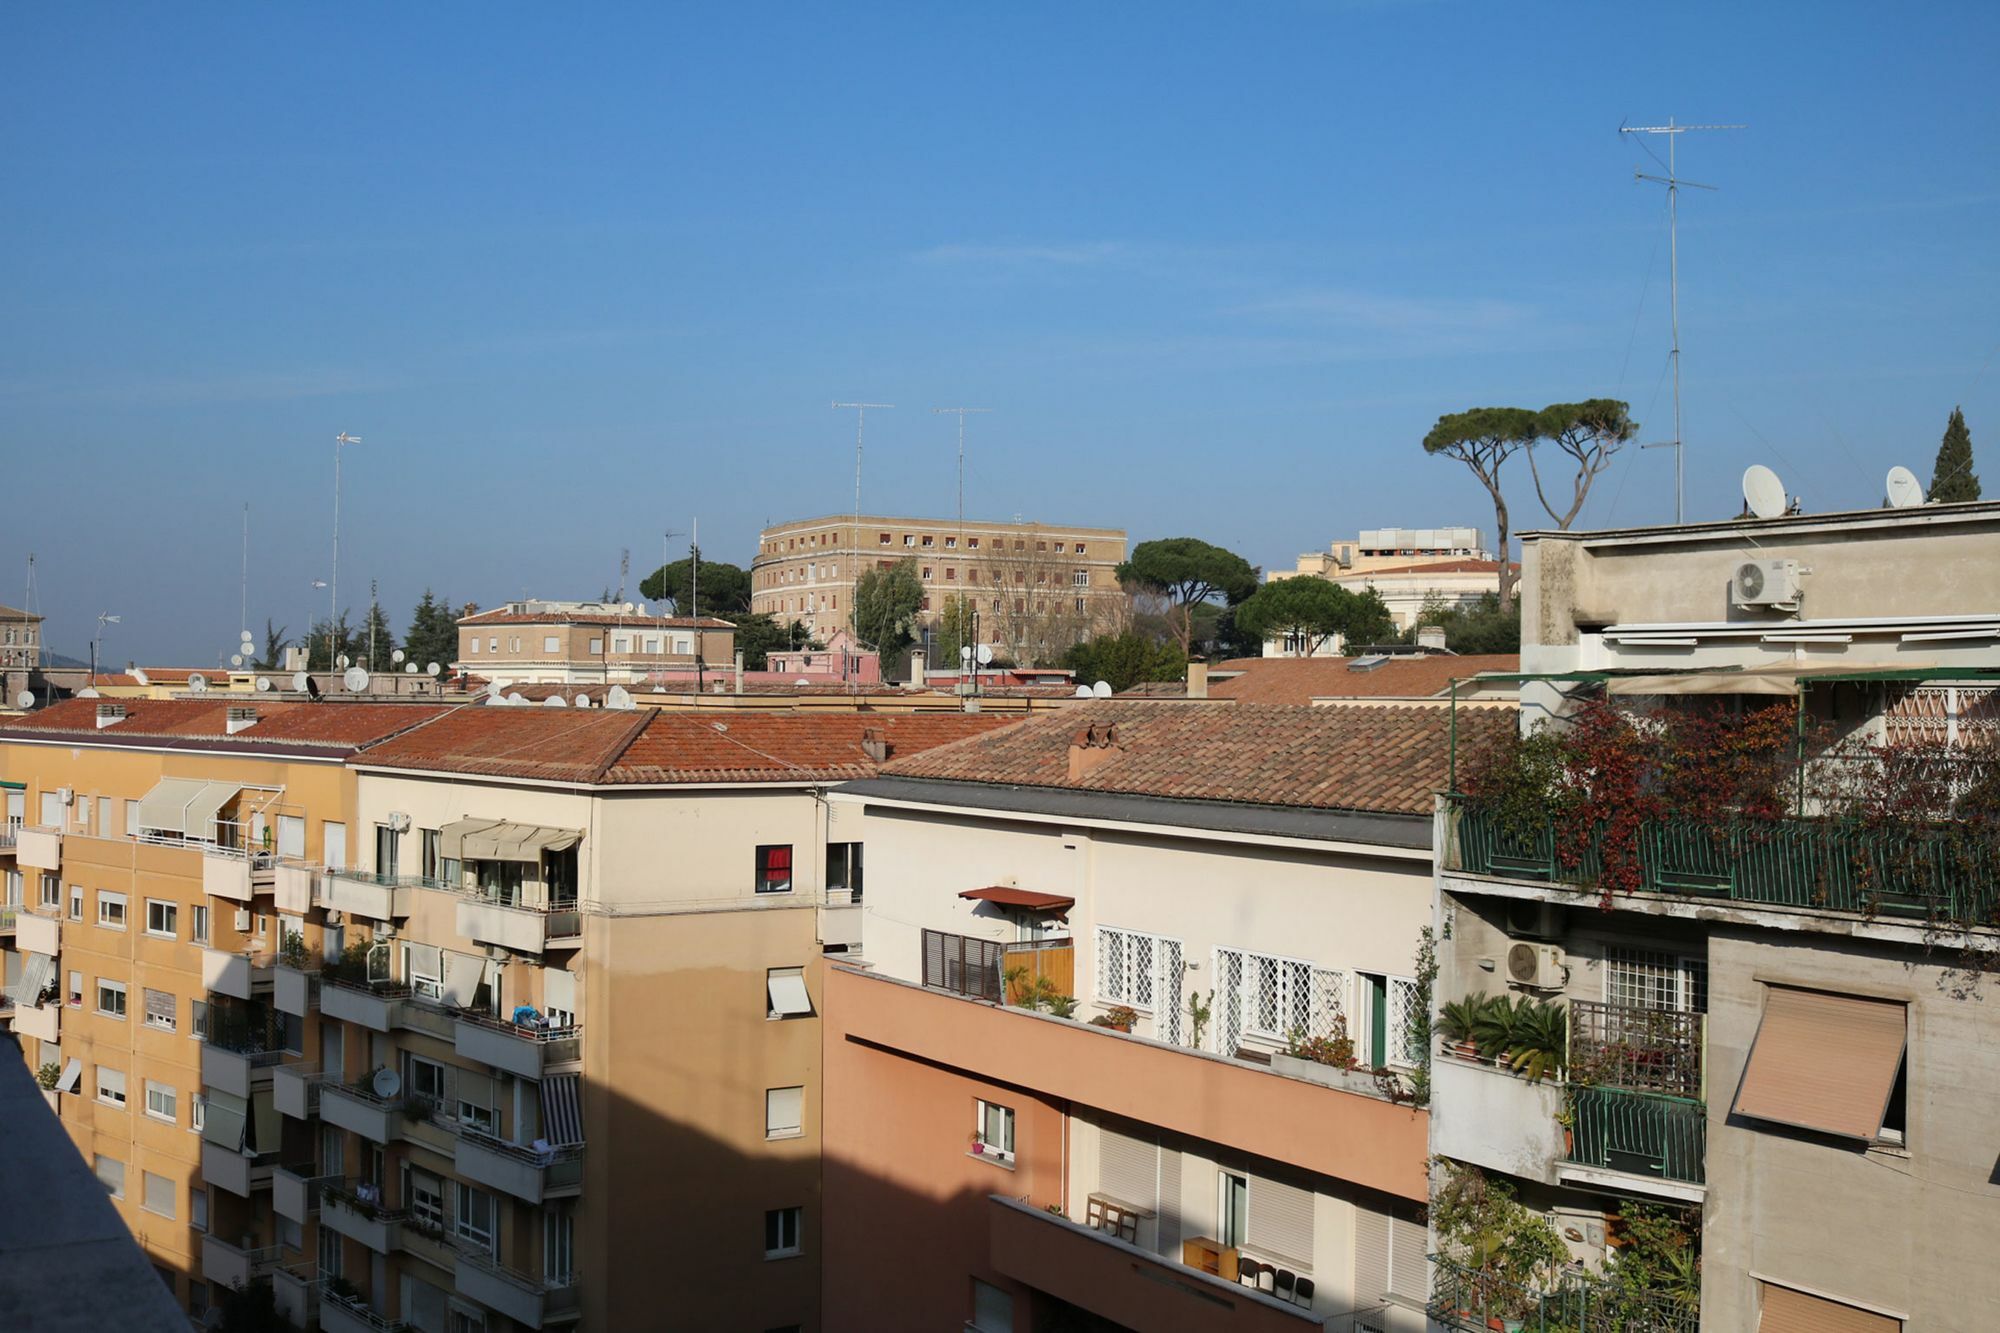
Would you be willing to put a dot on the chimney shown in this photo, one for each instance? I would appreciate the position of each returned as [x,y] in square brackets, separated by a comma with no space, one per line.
[109,715]
[241,719]
[739,671]
[918,664]
[874,744]
[1091,746]
[1430,638]
[1197,678]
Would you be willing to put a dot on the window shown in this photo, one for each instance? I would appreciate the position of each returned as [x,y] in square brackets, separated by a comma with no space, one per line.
[475,645]
[291,1235]
[928,539]
[653,643]
[476,1221]
[927,571]
[784,1111]
[160,1009]
[51,891]
[198,1208]
[785,989]
[1646,979]
[514,644]
[110,998]
[1080,577]
[427,855]
[158,1195]
[1854,1045]
[162,918]
[843,869]
[198,923]
[52,815]
[1784,1308]
[198,1019]
[493,643]
[111,1175]
[76,902]
[423,969]
[110,909]
[388,846]
[334,836]
[950,572]
[951,543]
[551,644]
[1145,972]
[76,990]
[621,643]
[774,869]
[972,543]
[1079,548]
[111,1086]
[1233,1209]
[908,540]
[885,539]
[426,1195]
[1404,1043]
[992,1308]
[161,1101]
[425,1079]
[558,1246]
[597,647]
[781,1232]
[993,1131]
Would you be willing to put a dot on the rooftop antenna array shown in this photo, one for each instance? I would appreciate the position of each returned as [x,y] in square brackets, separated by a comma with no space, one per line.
[245,625]
[860,426]
[340,442]
[1673,182]
[103,619]
[961,413]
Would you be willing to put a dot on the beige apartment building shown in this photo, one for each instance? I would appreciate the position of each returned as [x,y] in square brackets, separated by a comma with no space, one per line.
[20,640]
[1036,587]
[589,644]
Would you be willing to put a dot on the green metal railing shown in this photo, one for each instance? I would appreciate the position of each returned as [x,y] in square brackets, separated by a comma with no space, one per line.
[1915,871]
[1466,1298]
[1640,1133]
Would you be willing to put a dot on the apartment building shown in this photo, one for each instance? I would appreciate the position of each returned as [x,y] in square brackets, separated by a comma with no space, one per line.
[589,643]
[1755,983]
[147,839]
[573,1034]
[1036,587]
[20,640]
[1411,569]
[1067,1084]
[1376,549]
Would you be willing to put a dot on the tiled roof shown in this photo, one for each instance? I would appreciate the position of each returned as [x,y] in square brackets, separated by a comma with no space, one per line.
[1300,680]
[649,745]
[332,725]
[15,613]
[608,618]
[1389,759]
[169,675]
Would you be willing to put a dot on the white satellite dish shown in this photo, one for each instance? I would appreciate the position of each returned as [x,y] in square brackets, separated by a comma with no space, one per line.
[25,699]
[555,701]
[618,697]
[496,700]
[197,682]
[263,684]
[629,608]
[1083,692]
[965,653]
[387,1083]
[432,669]
[517,698]
[236,659]
[397,655]
[985,655]
[246,637]
[583,701]
[87,692]
[1905,491]
[1763,492]
[496,689]
[409,668]
[343,662]
[299,679]
[1102,689]
[356,680]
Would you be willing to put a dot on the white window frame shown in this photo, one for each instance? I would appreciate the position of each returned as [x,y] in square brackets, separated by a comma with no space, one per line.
[198,1207]
[1133,969]
[1326,993]
[97,1167]
[197,1112]
[551,643]
[198,923]
[162,1102]
[1002,1150]
[170,1022]
[1402,995]
[792,1219]
[107,899]
[775,1115]
[463,1226]
[428,985]
[116,1094]
[1679,979]
[106,986]
[76,902]
[168,909]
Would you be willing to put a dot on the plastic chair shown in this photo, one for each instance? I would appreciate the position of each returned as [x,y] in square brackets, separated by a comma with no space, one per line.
[1246,1271]
[1302,1294]
[1286,1281]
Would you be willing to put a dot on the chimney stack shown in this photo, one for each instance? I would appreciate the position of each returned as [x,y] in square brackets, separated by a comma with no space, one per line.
[1197,678]
[240,719]
[109,715]
[1430,638]
[918,664]
[874,744]
[1091,746]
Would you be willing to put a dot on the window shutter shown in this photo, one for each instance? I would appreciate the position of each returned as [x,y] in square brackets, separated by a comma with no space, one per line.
[461,978]
[1371,1256]
[1129,1169]
[1170,1200]
[1788,1311]
[559,990]
[1281,1220]
[1409,1273]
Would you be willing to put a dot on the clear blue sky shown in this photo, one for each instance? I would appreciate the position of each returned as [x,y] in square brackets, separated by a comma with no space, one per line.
[578,274]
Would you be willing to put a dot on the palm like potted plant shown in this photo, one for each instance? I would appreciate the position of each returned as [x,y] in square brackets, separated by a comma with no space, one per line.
[1456,1021]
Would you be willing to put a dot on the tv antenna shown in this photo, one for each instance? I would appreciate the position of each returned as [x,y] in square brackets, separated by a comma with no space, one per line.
[624,571]
[103,619]
[245,626]
[340,442]
[860,425]
[961,413]
[1673,182]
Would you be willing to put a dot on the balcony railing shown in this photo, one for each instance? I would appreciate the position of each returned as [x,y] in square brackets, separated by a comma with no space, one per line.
[963,965]
[1466,1298]
[1639,1133]
[1636,1047]
[1914,870]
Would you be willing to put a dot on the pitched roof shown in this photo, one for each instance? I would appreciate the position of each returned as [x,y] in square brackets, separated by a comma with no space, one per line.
[16,613]
[648,745]
[337,726]
[1389,759]
[503,616]
[1300,680]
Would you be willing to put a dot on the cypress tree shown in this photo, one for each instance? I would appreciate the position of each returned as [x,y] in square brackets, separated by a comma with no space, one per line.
[1952,478]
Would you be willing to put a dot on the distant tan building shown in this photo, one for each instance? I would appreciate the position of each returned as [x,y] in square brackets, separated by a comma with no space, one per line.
[1375,549]
[1037,587]
[1408,568]
[586,643]
[20,639]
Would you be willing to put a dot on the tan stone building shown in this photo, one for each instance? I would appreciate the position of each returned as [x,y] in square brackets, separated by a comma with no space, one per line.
[588,643]
[20,639]
[1036,587]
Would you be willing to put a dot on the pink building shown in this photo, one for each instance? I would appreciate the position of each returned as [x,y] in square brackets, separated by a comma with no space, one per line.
[843,658]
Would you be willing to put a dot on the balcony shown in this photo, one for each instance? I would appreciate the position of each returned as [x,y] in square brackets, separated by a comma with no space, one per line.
[364,893]
[237,1066]
[840,919]
[9,913]
[233,1266]
[1468,1299]
[295,1090]
[351,1314]
[38,848]
[242,1174]
[295,1191]
[523,929]
[517,1169]
[38,932]
[524,1299]
[1490,1117]
[1120,1281]
[344,1210]
[226,873]
[522,1051]
[295,987]
[1619,1134]
[292,887]
[234,974]
[39,1020]
[372,1006]
[356,1108]
[297,1292]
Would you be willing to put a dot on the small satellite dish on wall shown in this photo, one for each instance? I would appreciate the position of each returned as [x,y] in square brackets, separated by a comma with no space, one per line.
[25,699]
[386,1083]
[618,697]
[433,669]
[1763,492]
[1904,490]
[356,680]
[397,655]
[1102,689]
[263,684]
[299,679]
[197,683]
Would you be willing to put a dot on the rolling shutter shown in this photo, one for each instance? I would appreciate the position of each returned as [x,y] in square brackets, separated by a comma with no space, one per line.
[1170,1201]
[1788,1311]
[562,1110]
[462,972]
[1409,1271]
[1128,1169]
[1823,1062]
[1371,1256]
[1281,1221]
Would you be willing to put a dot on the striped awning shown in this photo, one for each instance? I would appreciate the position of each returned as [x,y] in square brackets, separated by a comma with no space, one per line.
[562,1110]
[186,806]
[498,840]
[36,969]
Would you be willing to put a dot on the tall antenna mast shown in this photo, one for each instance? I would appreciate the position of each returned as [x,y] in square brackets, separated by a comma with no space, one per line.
[340,442]
[694,599]
[245,626]
[860,423]
[1673,182]
[961,413]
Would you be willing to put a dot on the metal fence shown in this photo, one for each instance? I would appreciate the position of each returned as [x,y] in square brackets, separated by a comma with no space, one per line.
[1636,1047]
[1639,1133]
[963,965]
[1466,1298]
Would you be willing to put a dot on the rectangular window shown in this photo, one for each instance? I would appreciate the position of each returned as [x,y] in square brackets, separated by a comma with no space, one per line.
[597,647]
[992,1308]
[198,923]
[514,644]
[76,902]
[1132,970]
[110,998]
[423,969]
[493,643]
[161,1101]
[198,1019]
[110,909]
[1649,979]
[1825,1062]
[653,644]
[110,1085]
[558,1246]
[551,644]
[111,1174]
[51,891]
[476,1223]
[160,1008]
[428,860]
[1786,1310]
[781,1232]
[885,539]
[425,1080]
[76,990]
[475,645]
[1079,548]
[1059,548]
[388,849]
[993,1131]
[774,869]
[843,869]
[162,918]
[621,643]
[1234,1209]
[1081,578]
[198,1208]
[784,1111]
[335,842]
[52,815]
[426,1194]
[972,543]
[159,1194]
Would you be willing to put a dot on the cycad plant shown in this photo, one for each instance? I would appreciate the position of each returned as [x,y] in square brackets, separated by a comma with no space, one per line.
[1538,1039]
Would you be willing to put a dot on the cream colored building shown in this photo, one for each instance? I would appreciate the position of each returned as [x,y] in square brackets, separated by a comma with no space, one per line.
[1036,587]
[588,643]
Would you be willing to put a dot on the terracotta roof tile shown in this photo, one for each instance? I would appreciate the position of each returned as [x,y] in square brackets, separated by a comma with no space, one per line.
[1300,680]
[1390,759]
[334,725]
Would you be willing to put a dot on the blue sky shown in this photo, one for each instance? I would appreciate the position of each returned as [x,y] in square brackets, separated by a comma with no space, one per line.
[580,276]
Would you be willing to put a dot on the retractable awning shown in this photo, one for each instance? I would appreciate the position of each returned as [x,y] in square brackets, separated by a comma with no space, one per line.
[1824,1062]
[498,840]
[187,806]
[1003,896]
[36,969]
[72,1072]
[1789,1311]
[562,1110]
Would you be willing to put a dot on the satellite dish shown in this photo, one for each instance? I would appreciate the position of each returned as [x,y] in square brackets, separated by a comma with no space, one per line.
[965,653]
[1763,492]
[629,608]
[87,692]
[356,680]
[985,655]
[1083,692]
[409,668]
[236,659]
[432,669]
[517,698]
[583,701]
[1102,689]
[343,662]
[618,697]
[397,655]
[263,684]
[555,701]
[299,679]
[387,1083]
[312,688]
[496,689]
[1905,491]
[197,682]
[495,700]
[246,637]
[25,699]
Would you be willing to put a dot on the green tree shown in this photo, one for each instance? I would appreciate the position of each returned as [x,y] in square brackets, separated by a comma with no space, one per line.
[953,631]
[725,588]
[1483,439]
[273,656]
[1315,610]
[1188,572]
[1952,479]
[375,641]
[1124,660]
[885,607]
[327,641]
[758,636]
[1481,627]
[1590,433]
[433,632]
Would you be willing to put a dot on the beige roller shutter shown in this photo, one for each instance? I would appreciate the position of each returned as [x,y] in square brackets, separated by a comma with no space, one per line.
[1823,1062]
[1371,1255]
[1128,1169]
[1409,1271]
[1170,1201]
[1281,1221]
[1788,1311]
[461,978]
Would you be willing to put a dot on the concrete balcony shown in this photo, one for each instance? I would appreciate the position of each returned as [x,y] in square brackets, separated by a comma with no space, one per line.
[235,1071]
[339,1314]
[292,886]
[373,1007]
[360,1111]
[233,1266]
[517,1169]
[524,1299]
[839,919]
[294,990]
[37,848]
[364,1223]
[37,932]
[237,974]
[523,1052]
[295,1090]
[363,893]
[297,1293]
[240,1173]
[1486,1116]
[43,1020]
[524,929]
[1120,1281]
[295,1191]
[226,874]
[430,1243]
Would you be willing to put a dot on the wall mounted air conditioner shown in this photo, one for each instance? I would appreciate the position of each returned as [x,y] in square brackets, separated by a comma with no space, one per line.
[1536,966]
[1529,920]
[242,919]
[398,822]
[1766,585]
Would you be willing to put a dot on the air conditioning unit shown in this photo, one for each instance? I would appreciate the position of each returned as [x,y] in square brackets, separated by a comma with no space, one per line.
[334,917]
[1537,966]
[386,931]
[398,822]
[1534,920]
[67,795]
[1768,584]
[242,919]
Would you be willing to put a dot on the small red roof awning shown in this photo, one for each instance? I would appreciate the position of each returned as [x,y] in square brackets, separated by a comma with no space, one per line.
[1006,897]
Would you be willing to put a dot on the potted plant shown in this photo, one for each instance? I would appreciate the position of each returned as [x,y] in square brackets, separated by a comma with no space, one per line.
[1120,1017]
[1537,1039]
[48,1075]
[1493,1027]
[1566,1117]
[1456,1021]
